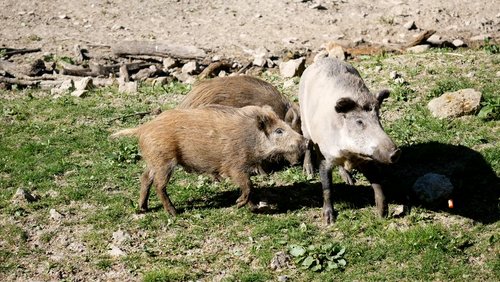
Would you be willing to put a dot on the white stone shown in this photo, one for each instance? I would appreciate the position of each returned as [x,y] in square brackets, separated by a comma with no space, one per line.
[55,215]
[435,39]
[410,25]
[455,104]
[85,83]
[293,68]
[458,43]
[79,93]
[115,251]
[127,87]
[190,67]
[419,48]
[120,236]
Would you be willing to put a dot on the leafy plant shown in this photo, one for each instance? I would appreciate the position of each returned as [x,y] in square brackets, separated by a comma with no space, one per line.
[491,48]
[490,109]
[127,153]
[325,257]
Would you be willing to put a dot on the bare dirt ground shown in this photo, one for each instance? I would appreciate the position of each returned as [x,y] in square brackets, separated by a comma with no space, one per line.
[234,28]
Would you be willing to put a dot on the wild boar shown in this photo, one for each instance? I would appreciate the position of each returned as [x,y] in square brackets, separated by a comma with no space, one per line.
[217,140]
[240,91]
[341,118]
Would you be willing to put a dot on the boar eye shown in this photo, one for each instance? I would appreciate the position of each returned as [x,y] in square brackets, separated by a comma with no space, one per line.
[359,122]
[279,131]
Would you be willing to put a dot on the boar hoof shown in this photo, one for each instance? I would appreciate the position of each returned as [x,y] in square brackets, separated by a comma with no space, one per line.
[241,201]
[383,211]
[329,216]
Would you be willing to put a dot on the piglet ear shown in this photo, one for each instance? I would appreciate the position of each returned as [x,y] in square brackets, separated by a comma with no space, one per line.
[263,121]
[345,105]
[382,95]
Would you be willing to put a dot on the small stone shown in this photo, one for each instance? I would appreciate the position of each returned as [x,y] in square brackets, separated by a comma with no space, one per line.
[119,237]
[410,25]
[191,67]
[358,41]
[115,251]
[435,40]
[293,68]
[21,196]
[377,68]
[498,74]
[335,51]
[127,87]
[458,43]
[419,48]
[317,6]
[283,278]
[55,215]
[394,74]
[79,93]
[117,27]
[184,77]
[169,63]
[85,83]
[259,61]
[432,187]
[65,86]
[216,58]
[222,73]
[160,81]
[63,17]
[455,104]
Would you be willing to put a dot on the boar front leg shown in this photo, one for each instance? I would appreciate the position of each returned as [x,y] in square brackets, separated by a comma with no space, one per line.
[372,173]
[325,173]
[308,167]
[245,184]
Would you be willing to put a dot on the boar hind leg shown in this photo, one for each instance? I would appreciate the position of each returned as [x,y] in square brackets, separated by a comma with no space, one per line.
[245,184]
[161,178]
[146,182]
[325,173]
[345,175]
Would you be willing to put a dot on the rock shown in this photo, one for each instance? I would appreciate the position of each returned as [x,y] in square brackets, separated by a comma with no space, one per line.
[293,68]
[119,237]
[410,25]
[115,251]
[458,43]
[79,93]
[394,75]
[21,196]
[432,187]
[283,278]
[55,215]
[127,87]
[358,41]
[419,48]
[85,83]
[184,77]
[66,85]
[400,211]
[169,63]
[317,6]
[281,260]
[498,74]
[435,40]
[160,81]
[455,104]
[190,67]
[336,51]
[117,27]
[260,56]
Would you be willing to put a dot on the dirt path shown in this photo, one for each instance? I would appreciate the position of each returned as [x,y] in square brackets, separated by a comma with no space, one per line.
[234,28]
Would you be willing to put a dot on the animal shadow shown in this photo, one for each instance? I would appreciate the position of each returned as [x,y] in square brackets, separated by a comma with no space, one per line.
[476,186]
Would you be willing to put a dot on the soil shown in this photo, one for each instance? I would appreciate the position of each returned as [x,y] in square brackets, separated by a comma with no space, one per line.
[234,28]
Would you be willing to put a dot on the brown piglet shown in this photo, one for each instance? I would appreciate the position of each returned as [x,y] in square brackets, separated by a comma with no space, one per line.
[217,140]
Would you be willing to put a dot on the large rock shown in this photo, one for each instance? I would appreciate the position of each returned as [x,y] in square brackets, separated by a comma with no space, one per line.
[293,68]
[455,104]
[432,187]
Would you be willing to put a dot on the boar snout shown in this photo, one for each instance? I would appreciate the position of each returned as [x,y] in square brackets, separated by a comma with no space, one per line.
[389,156]
[298,150]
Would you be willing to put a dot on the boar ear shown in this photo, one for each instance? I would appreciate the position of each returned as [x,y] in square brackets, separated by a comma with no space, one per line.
[382,95]
[345,105]
[263,121]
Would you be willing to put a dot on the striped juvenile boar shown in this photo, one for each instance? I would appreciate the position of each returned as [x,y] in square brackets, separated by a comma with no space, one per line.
[217,140]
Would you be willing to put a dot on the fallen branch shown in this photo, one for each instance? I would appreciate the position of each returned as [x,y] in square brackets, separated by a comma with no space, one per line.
[162,49]
[20,82]
[7,52]
[214,68]
[421,38]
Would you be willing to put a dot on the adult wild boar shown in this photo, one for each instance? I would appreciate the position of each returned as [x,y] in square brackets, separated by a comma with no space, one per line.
[217,140]
[240,91]
[341,118]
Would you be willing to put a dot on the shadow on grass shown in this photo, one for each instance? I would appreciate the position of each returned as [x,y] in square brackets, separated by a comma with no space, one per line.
[476,185]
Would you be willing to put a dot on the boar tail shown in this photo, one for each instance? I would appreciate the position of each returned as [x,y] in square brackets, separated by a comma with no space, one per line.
[125,132]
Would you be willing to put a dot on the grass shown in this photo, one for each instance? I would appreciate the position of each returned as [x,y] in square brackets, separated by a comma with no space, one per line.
[58,149]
